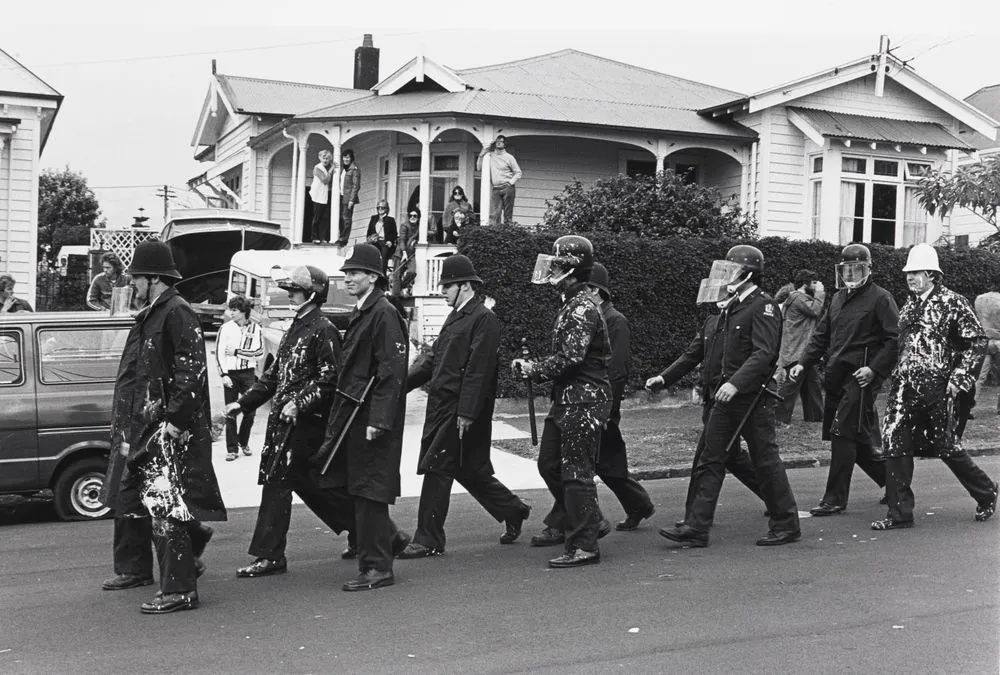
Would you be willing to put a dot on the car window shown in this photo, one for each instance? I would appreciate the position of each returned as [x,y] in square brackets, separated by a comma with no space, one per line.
[11,368]
[80,354]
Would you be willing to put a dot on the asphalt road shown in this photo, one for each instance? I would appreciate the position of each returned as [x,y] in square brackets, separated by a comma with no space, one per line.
[844,599]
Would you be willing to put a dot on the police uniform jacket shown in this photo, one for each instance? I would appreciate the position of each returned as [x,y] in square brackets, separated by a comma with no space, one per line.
[619,366]
[461,369]
[304,371]
[860,324]
[739,345]
[162,376]
[375,345]
[578,365]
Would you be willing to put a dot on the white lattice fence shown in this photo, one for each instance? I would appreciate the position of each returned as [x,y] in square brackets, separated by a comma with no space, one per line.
[121,242]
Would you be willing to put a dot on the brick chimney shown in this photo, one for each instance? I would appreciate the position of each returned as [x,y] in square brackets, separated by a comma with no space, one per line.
[366,64]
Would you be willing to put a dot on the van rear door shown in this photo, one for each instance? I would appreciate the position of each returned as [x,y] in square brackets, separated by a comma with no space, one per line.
[18,416]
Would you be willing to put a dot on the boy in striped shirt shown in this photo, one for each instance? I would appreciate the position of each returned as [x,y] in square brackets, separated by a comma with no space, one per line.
[237,348]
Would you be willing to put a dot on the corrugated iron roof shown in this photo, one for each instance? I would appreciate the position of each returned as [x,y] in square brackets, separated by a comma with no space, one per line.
[880,129]
[575,74]
[254,95]
[986,99]
[545,108]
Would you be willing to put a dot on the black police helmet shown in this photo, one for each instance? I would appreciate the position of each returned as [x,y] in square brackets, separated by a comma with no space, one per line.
[153,258]
[457,269]
[599,278]
[575,252]
[749,256]
[366,258]
[856,253]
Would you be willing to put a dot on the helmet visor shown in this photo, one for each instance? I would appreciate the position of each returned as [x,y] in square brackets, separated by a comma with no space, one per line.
[725,271]
[712,291]
[548,269]
[851,274]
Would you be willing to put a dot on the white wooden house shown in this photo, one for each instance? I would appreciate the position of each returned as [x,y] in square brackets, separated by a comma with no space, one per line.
[966,227]
[830,156]
[28,106]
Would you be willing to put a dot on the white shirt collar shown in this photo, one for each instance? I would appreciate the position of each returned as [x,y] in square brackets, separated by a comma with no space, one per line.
[923,296]
[742,296]
[361,300]
[459,308]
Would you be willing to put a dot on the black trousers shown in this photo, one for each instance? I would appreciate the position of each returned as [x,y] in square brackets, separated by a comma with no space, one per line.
[612,468]
[321,222]
[133,545]
[566,459]
[809,388]
[242,381]
[346,220]
[899,475]
[844,454]
[758,432]
[177,544]
[738,463]
[435,498]
[270,536]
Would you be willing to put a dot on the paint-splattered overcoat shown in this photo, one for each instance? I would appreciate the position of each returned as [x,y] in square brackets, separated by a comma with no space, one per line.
[941,341]
[461,368]
[304,371]
[375,345]
[162,376]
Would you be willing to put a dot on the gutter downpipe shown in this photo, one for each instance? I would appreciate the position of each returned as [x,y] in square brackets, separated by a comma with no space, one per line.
[752,192]
[295,181]
[10,189]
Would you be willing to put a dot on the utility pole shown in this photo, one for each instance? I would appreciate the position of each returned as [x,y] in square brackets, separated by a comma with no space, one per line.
[166,193]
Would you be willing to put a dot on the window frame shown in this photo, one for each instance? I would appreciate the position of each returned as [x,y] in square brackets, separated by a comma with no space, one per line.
[39,357]
[903,179]
[18,336]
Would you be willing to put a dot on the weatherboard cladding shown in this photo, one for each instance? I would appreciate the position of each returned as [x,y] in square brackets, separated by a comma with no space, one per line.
[879,129]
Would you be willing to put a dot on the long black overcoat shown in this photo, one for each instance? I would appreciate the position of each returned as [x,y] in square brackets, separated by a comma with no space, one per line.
[461,368]
[162,376]
[375,345]
[304,370]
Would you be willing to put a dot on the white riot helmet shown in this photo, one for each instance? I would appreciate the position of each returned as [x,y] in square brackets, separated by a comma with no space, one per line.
[922,258]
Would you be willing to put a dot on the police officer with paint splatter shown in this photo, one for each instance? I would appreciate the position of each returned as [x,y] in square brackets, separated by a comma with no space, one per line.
[739,350]
[581,397]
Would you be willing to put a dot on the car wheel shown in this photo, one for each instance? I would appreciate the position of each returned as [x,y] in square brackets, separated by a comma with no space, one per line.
[77,490]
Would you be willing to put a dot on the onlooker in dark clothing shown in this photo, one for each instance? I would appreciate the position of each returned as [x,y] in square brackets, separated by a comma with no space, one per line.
[802,309]
[382,231]
[350,185]
[404,269]
[451,232]
[112,276]
[8,303]
[458,202]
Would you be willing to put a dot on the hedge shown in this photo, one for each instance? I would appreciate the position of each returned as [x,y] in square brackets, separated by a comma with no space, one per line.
[654,283]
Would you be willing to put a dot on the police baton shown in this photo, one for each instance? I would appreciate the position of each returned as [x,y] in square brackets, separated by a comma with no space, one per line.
[531,397]
[861,401]
[272,466]
[358,403]
[756,399]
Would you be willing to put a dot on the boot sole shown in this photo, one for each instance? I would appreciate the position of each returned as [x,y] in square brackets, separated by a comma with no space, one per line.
[589,561]
[254,575]
[693,543]
[137,584]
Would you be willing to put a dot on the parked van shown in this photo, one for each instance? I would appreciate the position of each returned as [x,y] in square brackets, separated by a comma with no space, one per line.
[250,276]
[57,378]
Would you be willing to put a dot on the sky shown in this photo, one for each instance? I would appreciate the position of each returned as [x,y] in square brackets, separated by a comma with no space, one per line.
[134,80]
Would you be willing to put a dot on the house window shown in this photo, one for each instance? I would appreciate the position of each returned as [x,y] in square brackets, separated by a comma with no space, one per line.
[383,178]
[444,178]
[817,164]
[879,204]
[962,242]
[233,180]
[816,194]
[637,167]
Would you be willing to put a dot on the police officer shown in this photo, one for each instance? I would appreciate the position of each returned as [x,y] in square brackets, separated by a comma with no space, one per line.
[581,397]
[461,372]
[299,384]
[857,336]
[372,383]
[739,352]
[612,459]
[941,345]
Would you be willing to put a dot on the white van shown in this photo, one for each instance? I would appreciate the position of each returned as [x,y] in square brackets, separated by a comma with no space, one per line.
[250,276]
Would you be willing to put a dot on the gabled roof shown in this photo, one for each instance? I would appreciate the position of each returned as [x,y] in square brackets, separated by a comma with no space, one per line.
[17,80]
[574,74]
[417,72]
[986,99]
[255,96]
[896,70]
[536,107]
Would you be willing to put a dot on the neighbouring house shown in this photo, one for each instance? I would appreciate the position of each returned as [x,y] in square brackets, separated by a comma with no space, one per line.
[28,107]
[831,156]
[967,228]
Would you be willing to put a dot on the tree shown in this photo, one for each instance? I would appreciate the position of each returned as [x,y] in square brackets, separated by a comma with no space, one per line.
[975,187]
[661,206]
[67,209]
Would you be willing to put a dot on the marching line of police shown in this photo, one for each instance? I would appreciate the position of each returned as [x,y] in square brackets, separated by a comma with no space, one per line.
[334,435]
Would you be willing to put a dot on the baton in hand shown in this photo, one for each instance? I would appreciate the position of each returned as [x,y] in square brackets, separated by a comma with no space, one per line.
[358,402]
[531,397]
[272,466]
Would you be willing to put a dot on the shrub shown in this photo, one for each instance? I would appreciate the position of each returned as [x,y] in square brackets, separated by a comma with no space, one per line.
[654,283]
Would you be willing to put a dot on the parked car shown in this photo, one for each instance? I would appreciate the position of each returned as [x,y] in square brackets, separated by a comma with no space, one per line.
[203,242]
[57,377]
[250,276]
